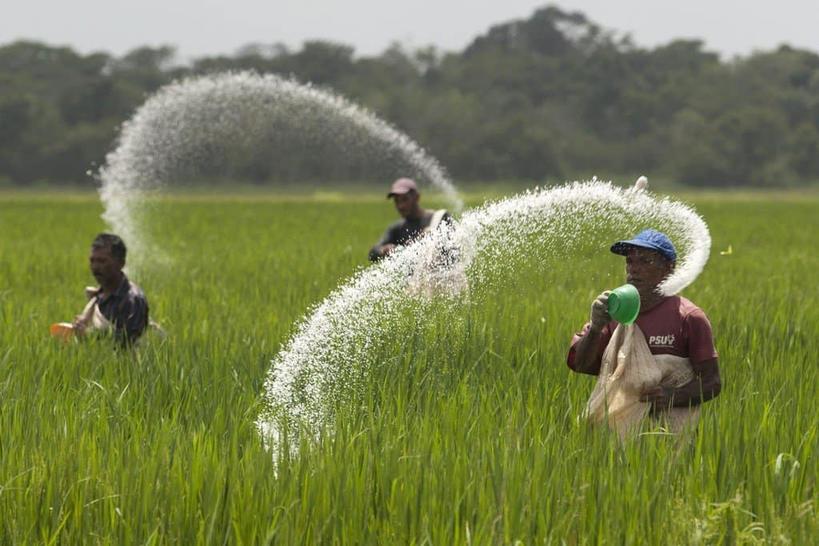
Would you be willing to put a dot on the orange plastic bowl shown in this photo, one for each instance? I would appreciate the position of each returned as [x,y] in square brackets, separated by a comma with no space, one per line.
[63,331]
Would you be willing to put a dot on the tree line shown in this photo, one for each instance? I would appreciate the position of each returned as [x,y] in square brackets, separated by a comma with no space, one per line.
[543,98]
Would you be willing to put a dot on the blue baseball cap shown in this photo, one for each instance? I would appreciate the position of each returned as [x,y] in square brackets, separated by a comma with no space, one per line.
[650,239]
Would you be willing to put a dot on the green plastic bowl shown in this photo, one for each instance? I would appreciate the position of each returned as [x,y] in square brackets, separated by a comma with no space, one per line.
[624,304]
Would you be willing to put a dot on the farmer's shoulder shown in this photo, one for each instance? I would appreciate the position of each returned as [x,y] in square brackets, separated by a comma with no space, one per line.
[135,293]
[688,309]
[693,317]
[397,225]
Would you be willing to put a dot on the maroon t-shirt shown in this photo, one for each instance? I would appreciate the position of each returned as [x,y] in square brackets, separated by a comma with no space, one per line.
[675,326]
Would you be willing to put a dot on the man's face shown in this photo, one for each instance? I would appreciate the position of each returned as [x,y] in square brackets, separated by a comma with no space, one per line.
[405,203]
[646,269]
[103,265]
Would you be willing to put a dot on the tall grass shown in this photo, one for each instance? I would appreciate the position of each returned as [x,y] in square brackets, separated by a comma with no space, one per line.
[466,430]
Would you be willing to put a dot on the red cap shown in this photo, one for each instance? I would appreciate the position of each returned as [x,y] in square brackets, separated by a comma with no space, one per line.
[402,186]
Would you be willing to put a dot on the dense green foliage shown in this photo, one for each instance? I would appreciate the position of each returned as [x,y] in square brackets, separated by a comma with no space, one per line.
[551,96]
[466,434]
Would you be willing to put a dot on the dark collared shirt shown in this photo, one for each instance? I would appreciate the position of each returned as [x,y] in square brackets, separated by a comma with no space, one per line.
[405,231]
[126,309]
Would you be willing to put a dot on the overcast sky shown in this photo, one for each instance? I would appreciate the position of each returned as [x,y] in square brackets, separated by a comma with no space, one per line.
[205,27]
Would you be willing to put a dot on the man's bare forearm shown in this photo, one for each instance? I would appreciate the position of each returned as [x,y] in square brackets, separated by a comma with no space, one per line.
[588,353]
[704,387]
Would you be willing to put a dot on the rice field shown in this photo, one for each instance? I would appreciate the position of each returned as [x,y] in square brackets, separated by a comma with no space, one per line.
[467,430]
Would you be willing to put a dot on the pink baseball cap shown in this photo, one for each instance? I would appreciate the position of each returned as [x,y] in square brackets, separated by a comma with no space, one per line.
[402,186]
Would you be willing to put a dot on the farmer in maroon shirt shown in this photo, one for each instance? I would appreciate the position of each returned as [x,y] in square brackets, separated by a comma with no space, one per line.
[672,325]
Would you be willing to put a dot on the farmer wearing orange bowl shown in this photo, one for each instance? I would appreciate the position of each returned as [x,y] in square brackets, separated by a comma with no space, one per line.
[117,306]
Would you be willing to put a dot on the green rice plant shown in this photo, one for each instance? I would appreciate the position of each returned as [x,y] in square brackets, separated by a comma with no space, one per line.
[465,430]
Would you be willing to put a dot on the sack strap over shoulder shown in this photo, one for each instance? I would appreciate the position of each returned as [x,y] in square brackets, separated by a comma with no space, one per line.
[437,216]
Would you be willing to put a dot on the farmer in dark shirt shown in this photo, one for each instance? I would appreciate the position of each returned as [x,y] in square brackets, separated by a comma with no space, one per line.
[416,220]
[117,305]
